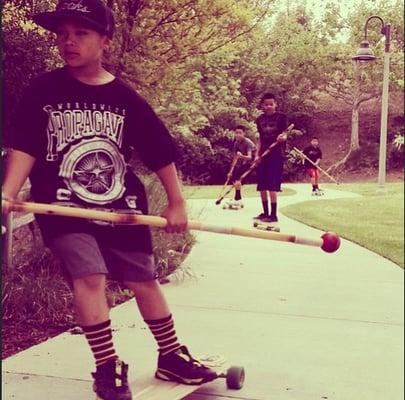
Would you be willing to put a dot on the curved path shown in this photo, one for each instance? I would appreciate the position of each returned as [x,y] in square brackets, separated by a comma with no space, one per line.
[305,324]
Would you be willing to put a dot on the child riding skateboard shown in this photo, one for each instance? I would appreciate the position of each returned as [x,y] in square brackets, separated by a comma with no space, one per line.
[270,125]
[314,153]
[243,149]
[73,135]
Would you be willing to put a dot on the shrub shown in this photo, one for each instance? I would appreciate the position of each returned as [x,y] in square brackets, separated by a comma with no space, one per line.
[201,163]
[293,168]
[365,157]
[301,121]
[396,152]
[26,53]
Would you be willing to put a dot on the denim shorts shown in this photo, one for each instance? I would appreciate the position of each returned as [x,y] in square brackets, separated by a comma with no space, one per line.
[82,255]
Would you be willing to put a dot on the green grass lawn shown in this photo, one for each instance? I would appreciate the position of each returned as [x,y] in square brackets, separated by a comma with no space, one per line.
[374,221]
[212,191]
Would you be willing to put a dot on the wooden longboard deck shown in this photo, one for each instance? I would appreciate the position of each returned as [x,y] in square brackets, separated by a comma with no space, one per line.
[150,388]
[147,387]
[232,207]
[156,389]
[266,226]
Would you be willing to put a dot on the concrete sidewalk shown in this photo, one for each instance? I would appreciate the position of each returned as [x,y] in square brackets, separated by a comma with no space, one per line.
[304,323]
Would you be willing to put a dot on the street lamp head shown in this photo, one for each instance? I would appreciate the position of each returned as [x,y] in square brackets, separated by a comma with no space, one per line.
[364,53]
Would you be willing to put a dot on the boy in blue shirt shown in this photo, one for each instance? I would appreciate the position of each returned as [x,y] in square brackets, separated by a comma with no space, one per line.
[243,150]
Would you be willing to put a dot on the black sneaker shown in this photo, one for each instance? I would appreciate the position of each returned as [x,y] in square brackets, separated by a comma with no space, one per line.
[270,218]
[111,381]
[261,216]
[179,366]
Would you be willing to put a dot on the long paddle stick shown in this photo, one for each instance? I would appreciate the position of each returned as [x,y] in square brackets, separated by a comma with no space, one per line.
[229,176]
[329,241]
[254,164]
[317,166]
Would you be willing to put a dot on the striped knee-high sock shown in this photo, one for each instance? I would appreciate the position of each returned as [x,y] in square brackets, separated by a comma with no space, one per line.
[165,334]
[100,341]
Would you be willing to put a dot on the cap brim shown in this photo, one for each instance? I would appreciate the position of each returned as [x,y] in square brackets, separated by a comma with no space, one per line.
[51,20]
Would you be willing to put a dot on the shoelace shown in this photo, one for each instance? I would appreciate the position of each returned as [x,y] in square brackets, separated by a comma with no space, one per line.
[120,374]
[195,363]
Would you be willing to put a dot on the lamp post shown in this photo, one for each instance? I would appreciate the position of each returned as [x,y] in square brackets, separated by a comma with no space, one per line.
[365,54]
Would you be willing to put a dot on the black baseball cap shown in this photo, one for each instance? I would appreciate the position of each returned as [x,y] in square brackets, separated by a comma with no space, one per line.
[93,13]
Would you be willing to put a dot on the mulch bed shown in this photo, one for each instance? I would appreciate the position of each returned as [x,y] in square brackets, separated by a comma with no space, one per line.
[19,337]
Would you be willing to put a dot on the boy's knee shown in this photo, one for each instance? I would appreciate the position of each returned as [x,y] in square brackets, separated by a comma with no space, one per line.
[141,288]
[94,282]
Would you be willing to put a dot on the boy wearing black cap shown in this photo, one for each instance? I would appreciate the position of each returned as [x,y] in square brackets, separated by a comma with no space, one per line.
[270,125]
[73,135]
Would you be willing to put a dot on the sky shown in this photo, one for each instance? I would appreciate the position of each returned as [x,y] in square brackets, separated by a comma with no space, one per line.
[317,7]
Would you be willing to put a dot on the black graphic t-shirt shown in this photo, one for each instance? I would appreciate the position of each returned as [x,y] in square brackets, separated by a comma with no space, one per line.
[82,137]
[314,154]
[269,127]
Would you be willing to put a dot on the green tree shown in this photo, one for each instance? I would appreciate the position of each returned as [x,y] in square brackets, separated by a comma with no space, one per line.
[27,52]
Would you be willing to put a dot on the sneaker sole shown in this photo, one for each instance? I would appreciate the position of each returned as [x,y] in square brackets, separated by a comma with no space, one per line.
[169,376]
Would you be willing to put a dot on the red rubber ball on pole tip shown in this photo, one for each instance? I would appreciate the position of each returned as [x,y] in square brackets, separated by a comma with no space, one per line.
[331,242]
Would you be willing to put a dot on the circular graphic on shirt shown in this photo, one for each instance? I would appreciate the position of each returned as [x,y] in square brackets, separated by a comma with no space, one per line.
[94,171]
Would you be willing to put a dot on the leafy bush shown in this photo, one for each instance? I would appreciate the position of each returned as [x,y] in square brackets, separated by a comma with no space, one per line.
[365,157]
[293,168]
[27,52]
[301,121]
[200,163]
[396,152]
[36,291]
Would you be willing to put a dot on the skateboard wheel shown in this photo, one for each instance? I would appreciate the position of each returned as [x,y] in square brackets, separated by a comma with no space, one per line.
[255,224]
[235,378]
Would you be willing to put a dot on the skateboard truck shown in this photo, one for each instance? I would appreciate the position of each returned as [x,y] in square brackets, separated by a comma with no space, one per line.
[318,193]
[234,375]
[232,206]
[266,226]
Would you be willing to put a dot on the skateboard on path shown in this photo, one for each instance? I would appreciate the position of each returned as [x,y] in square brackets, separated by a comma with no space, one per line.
[266,226]
[156,389]
[232,205]
[318,192]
